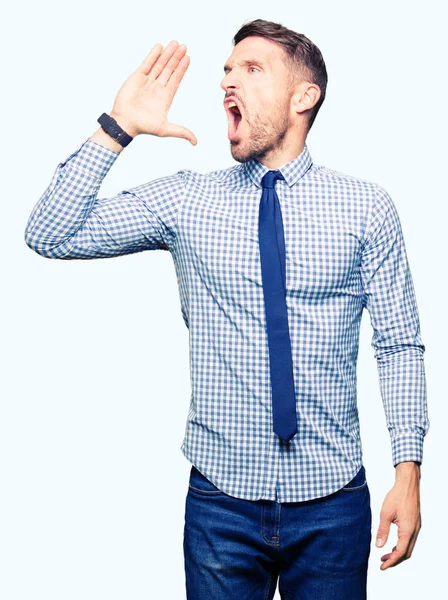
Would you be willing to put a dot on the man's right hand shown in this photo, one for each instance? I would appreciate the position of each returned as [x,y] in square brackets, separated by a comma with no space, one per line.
[143,101]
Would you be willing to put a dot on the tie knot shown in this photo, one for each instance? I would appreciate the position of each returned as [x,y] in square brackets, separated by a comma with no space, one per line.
[270,178]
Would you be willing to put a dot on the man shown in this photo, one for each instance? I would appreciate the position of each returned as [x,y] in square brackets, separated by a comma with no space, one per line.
[276,258]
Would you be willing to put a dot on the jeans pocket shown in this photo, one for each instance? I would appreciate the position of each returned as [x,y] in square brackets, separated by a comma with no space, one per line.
[199,484]
[358,483]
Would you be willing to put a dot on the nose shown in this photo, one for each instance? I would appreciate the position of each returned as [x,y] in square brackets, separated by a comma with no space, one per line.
[229,81]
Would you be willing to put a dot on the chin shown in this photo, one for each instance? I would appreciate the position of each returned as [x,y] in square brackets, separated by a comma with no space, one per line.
[243,153]
[238,154]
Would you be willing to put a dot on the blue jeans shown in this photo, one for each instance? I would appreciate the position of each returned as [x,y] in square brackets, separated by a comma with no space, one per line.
[237,549]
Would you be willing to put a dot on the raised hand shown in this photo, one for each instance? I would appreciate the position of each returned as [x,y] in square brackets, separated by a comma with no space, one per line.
[143,101]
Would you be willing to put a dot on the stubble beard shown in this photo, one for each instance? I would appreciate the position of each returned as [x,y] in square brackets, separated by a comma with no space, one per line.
[264,137]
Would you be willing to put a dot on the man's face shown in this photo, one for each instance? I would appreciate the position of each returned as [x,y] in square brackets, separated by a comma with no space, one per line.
[257,79]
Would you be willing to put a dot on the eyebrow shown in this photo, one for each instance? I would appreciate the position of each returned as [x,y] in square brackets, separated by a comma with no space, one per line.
[247,61]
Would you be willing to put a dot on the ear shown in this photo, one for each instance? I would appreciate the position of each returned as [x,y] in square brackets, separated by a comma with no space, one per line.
[306,96]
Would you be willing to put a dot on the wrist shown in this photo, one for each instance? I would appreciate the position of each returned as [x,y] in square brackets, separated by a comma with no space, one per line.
[407,469]
[103,138]
[125,124]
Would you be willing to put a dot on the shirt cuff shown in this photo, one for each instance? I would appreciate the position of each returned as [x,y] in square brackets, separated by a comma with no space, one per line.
[407,446]
[92,158]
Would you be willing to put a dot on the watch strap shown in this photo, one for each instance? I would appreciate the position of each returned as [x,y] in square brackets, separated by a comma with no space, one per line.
[110,126]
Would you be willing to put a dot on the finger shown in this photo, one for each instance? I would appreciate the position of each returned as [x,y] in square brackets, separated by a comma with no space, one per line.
[383,529]
[161,62]
[393,561]
[388,555]
[173,130]
[150,59]
[176,77]
[412,544]
[172,64]
[398,554]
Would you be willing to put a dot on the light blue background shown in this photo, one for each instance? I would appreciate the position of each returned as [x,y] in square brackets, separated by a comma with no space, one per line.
[95,353]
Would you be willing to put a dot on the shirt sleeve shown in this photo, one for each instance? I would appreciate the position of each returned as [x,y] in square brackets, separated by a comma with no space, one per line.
[69,221]
[389,297]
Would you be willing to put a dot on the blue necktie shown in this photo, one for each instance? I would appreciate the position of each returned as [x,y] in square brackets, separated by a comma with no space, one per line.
[273,269]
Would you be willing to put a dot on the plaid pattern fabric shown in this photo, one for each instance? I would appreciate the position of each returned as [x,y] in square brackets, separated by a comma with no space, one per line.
[344,252]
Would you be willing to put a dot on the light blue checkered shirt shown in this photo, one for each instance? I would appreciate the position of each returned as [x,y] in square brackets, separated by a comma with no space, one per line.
[344,251]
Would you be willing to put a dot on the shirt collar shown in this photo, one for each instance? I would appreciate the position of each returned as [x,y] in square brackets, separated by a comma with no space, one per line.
[292,171]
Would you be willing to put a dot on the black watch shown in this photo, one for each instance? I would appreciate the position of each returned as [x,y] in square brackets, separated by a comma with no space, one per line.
[111,127]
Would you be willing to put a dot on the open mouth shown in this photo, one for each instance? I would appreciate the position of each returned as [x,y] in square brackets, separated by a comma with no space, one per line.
[235,118]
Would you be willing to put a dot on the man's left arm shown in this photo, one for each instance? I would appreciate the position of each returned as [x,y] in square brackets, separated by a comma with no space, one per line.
[389,297]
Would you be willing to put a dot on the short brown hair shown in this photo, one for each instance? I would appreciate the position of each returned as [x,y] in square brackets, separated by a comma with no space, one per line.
[303,58]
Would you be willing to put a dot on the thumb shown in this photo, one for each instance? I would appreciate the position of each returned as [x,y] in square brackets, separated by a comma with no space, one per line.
[178,131]
[383,531]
